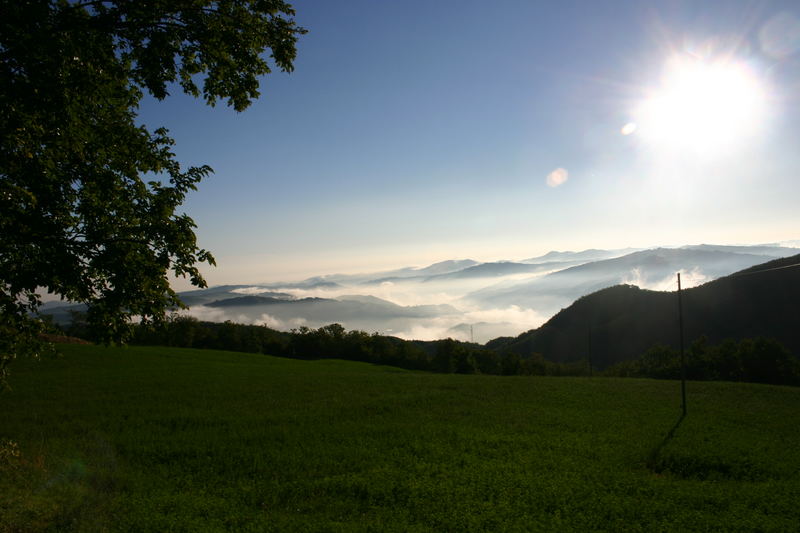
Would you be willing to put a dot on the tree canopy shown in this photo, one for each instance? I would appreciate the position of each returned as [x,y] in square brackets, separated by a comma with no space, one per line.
[89,199]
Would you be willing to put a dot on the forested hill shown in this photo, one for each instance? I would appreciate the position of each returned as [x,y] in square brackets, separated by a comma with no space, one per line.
[621,322]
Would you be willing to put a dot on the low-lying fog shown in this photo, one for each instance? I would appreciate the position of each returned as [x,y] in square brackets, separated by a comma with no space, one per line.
[466,300]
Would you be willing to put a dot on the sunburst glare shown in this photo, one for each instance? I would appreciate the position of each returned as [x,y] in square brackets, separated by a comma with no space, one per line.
[702,107]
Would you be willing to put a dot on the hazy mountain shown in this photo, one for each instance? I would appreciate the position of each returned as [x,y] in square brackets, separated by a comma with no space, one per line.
[348,305]
[654,269]
[405,273]
[253,301]
[436,270]
[221,292]
[498,269]
[61,311]
[769,250]
[584,256]
[445,267]
[353,312]
[653,266]
[621,322]
[310,283]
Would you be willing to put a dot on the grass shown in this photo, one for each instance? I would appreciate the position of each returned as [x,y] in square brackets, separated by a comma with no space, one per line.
[163,439]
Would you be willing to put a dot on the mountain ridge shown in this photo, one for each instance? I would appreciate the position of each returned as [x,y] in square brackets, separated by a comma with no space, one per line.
[621,322]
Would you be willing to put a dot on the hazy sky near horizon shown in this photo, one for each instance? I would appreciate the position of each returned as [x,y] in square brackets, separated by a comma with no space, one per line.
[412,132]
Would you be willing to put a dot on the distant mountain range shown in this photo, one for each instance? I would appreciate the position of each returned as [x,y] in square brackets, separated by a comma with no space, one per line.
[580,257]
[462,298]
[442,267]
[499,269]
[652,269]
[621,322]
[261,301]
[352,311]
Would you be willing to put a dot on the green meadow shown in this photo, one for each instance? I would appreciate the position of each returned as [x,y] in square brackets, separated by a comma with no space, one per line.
[165,439]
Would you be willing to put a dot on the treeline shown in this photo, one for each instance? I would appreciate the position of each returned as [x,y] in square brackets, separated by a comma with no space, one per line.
[333,341]
[758,360]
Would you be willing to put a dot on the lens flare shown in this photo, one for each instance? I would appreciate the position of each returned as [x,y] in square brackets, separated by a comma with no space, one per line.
[557,177]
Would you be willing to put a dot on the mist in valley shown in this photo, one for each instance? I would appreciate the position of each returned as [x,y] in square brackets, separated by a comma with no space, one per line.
[464,299]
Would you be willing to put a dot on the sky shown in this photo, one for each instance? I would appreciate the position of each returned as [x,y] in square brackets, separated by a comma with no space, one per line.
[413,132]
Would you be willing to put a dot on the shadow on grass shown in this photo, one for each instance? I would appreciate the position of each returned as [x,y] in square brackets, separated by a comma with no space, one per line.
[653,460]
[701,465]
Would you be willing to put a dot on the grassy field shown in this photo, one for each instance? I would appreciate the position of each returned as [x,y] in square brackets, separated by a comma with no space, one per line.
[162,439]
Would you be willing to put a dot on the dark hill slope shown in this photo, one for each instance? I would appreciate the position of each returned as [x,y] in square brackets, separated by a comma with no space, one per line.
[621,322]
[251,300]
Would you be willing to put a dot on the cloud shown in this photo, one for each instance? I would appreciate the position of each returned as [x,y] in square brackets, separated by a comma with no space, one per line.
[488,324]
[557,177]
[526,318]
[693,278]
[206,314]
[634,277]
[689,278]
[251,290]
[212,314]
[281,325]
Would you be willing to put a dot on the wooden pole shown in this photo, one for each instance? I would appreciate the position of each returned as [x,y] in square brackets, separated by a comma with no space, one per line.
[590,348]
[683,357]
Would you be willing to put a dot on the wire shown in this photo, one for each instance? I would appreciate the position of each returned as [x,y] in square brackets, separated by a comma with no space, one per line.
[760,271]
[739,274]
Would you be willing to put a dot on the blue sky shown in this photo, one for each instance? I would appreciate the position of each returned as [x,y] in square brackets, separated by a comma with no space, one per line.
[412,132]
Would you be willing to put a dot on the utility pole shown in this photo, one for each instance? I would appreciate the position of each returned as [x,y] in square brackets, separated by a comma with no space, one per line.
[683,357]
[590,348]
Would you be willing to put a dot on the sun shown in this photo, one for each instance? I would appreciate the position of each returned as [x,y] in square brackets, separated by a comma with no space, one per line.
[701,107]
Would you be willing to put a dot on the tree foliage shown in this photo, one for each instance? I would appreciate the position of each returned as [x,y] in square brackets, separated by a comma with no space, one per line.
[89,198]
[756,360]
[334,341]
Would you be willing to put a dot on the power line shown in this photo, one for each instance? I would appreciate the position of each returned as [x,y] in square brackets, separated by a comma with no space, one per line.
[736,275]
[740,274]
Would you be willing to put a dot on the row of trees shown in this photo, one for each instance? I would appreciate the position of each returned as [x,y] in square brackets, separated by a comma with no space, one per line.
[333,341]
[758,360]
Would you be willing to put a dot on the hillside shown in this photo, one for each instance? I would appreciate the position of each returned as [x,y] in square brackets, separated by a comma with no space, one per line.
[165,439]
[621,322]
